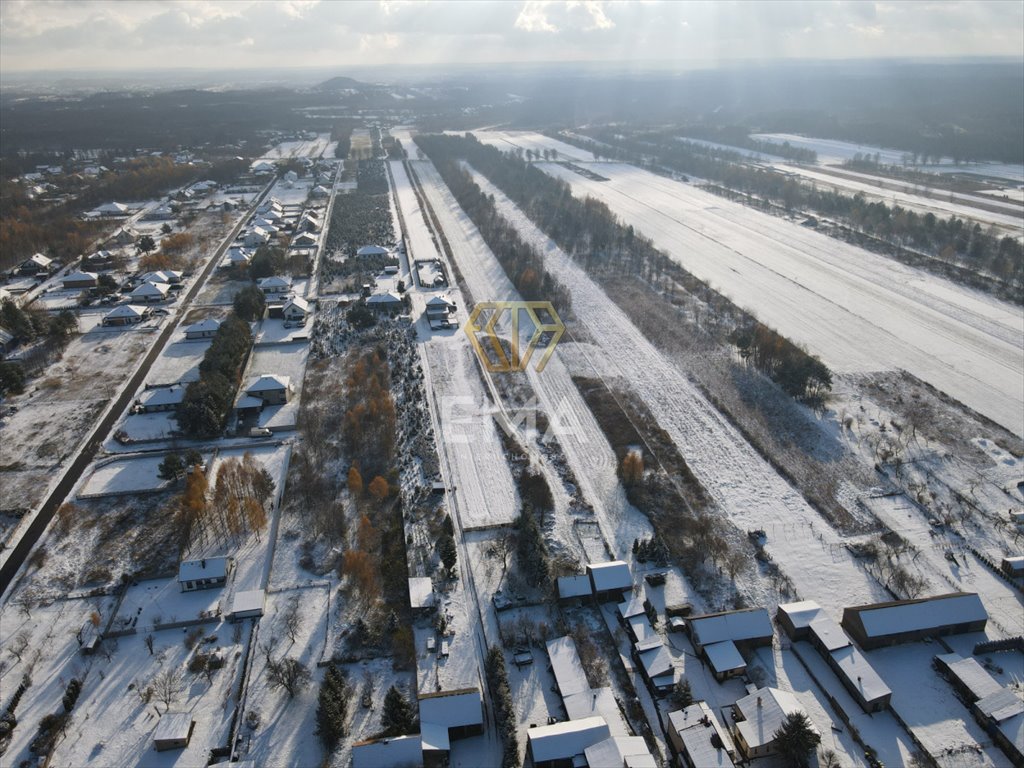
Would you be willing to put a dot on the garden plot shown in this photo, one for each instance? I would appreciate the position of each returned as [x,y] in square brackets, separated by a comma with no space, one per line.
[282,360]
[857,310]
[275,331]
[55,414]
[742,483]
[125,476]
[299,148]
[219,291]
[178,362]
[148,427]
[930,708]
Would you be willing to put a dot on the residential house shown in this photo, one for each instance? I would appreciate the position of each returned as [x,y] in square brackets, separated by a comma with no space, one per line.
[207,573]
[125,314]
[79,280]
[620,752]
[446,716]
[699,739]
[385,302]
[720,637]
[169,276]
[204,329]
[609,580]
[564,745]
[113,209]
[372,250]
[304,240]
[161,399]
[274,285]
[37,264]
[270,389]
[256,237]
[296,310]
[757,717]
[320,192]
[150,293]
[397,752]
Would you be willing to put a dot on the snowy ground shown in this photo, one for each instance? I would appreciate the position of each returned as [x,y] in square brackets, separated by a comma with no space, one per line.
[858,311]
[314,148]
[742,483]
[123,476]
[287,359]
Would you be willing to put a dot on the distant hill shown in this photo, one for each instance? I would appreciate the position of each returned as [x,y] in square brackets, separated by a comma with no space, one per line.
[342,84]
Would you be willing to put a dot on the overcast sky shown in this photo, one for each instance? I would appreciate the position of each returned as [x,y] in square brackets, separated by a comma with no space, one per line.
[118,34]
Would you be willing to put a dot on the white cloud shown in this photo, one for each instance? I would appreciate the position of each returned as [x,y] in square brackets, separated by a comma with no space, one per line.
[599,20]
[534,17]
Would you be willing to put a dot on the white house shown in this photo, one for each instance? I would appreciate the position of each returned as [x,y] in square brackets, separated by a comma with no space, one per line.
[126,314]
[256,237]
[271,389]
[204,329]
[559,744]
[35,264]
[274,285]
[372,250]
[291,176]
[304,240]
[758,716]
[150,293]
[237,257]
[262,167]
[169,276]
[206,573]
[162,399]
[384,302]
[296,310]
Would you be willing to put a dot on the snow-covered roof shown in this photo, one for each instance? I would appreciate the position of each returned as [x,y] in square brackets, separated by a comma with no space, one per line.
[80,277]
[566,666]
[634,606]
[724,656]
[385,298]
[642,629]
[574,586]
[173,726]
[595,702]
[1001,705]
[163,276]
[884,619]
[656,660]
[269,382]
[696,725]
[852,665]
[39,260]
[304,238]
[248,600]
[172,395]
[738,626]
[421,592]
[452,709]
[610,575]
[372,250]
[563,741]
[320,191]
[204,326]
[113,208]
[297,303]
[237,255]
[207,568]
[245,401]
[613,753]
[829,634]
[764,712]
[151,289]
[970,674]
[130,311]
[274,282]
[439,302]
[388,753]
[801,614]
[435,737]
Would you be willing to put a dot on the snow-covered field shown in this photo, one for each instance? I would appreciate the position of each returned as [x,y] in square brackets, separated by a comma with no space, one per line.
[858,311]
[743,484]
[314,148]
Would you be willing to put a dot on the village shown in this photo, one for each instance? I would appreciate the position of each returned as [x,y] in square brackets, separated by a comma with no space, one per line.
[289,514]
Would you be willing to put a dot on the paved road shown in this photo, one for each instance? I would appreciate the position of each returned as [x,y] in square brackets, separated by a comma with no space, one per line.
[17,554]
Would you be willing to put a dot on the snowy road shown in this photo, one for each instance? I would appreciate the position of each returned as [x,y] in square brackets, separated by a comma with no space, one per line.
[858,311]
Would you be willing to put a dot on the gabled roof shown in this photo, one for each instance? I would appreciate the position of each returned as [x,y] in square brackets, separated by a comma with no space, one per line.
[204,326]
[151,289]
[127,311]
[656,660]
[207,568]
[452,709]
[596,702]
[634,606]
[172,395]
[39,260]
[371,250]
[923,614]
[113,208]
[764,711]
[162,276]
[566,666]
[274,282]
[80,276]
[574,586]
[304,238]
[611,575]
[269,383]
[616,751]
[738,626]
[384,298]
[566,740]
[970,674]
[388,753]
[297,303]
[696,726]
[851,664]
[440,302]
[724,656]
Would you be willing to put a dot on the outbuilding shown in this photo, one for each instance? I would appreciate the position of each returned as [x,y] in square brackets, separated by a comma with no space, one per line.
[206,573]
[248,604]
[905,621]
[609,580]
[173,731]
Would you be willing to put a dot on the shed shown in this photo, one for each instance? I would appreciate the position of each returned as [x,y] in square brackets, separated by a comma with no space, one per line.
[566,666]
[1013,566]
[173,731]
[421,594]
[570,587]
[904,621]
[725,659]
[248,604]
[609,580]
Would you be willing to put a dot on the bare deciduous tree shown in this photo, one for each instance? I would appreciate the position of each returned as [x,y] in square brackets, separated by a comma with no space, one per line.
[18,645]
[167,685]
[289,674]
